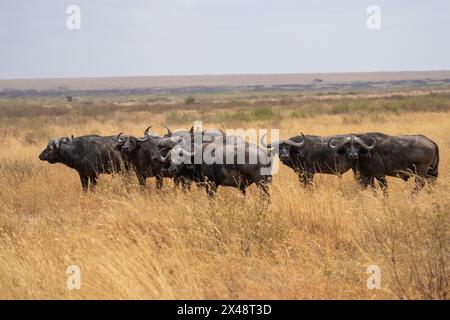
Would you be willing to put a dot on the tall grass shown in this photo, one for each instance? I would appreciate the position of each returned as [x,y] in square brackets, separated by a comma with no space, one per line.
[308,243]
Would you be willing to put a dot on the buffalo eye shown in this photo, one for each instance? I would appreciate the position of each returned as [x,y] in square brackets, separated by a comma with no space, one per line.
[363,151]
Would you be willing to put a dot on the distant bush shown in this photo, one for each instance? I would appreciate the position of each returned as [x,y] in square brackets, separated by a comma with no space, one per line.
[189,100]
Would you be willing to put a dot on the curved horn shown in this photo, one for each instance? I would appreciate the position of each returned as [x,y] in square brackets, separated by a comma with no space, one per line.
[365,145]
[143,139]
[269,145]
[146,130]
[118,138]
[296,144]
[146,135]
[169,133]
[191,130]
[337,146]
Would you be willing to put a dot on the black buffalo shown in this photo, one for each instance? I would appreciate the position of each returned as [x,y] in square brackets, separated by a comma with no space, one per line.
[214,170]
[308,155]
[141,153]
[89,155]
[377,155]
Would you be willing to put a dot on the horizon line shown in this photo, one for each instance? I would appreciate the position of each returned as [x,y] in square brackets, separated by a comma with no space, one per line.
[222,74]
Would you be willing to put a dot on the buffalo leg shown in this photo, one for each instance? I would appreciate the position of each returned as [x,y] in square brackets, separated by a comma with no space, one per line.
[372,182]
[243,188]
[185,183]
[142,181]
[159,182]
[365,181]
[306,178]
[383,184]
[93,183]
[84,182]
[373,185]
[421,178]
[176,183]
[301,179]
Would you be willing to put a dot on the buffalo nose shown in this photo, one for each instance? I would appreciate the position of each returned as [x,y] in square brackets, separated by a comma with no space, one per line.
[353,156]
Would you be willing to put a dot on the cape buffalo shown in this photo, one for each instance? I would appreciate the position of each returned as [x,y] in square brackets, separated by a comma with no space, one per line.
[89,155]
[308,155]
[141,152]
[377,155]
[221,164]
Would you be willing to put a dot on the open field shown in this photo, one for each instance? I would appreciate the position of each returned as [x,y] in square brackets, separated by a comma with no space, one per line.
[308,244]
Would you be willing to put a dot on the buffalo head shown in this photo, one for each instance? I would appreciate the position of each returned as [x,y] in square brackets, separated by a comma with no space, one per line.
[285,147]
[176,160]
[52,152]
[352,147]
[130,144]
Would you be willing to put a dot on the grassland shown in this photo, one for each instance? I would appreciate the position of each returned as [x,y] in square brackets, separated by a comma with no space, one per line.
[308,244]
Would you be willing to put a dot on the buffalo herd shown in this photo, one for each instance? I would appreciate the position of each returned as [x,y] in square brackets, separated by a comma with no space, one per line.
[212,158]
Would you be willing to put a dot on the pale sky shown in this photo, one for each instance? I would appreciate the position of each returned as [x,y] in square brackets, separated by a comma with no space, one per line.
[179,37]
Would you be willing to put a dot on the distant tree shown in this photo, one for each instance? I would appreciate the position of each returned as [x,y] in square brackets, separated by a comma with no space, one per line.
[69,98]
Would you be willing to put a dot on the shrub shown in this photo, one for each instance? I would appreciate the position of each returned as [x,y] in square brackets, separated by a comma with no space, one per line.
[189,100]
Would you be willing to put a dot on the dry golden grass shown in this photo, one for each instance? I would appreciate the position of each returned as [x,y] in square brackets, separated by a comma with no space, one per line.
[309,244]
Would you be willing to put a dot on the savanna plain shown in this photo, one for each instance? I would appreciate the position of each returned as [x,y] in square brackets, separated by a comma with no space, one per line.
[313,243]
